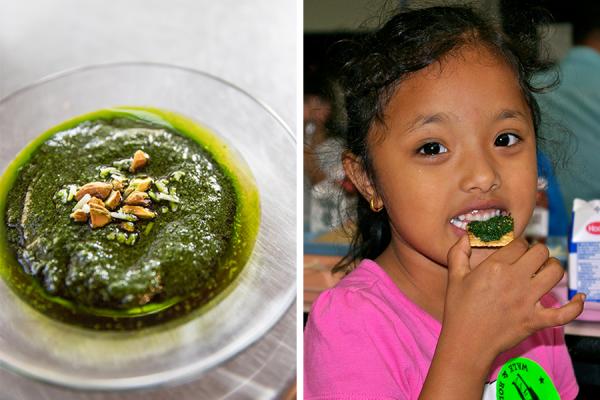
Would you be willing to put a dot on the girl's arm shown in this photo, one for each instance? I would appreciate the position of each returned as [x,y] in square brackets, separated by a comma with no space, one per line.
[456,372]
[490,309]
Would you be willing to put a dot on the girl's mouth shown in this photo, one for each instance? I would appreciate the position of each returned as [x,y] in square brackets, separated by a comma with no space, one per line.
[461,221]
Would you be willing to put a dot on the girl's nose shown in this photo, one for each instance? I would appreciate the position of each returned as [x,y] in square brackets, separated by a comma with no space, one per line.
[479,174]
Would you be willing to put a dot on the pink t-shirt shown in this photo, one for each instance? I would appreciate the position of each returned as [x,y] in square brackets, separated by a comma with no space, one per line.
[366,340]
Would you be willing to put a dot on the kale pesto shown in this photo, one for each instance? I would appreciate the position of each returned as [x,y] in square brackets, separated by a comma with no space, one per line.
[129,273]
[492,229]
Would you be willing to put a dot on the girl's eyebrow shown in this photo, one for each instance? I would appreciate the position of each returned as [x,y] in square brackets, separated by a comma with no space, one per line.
[510,114]
[424,119]
[421,120]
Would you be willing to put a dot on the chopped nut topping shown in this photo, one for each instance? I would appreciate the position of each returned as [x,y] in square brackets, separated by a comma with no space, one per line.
[72,192]
[140,159]
[168,197]
[95,189]
[177,175]
[131,239]
[138,199]
[114,200]
[99,216]
[138,211]
[118,184]
[127,226]
[148,228]
[105,171]
[123,216]
[123,164]
[79,216]
[62,196]
[96,202]
[121,237]
[161,185]
[82,202]
[138,185]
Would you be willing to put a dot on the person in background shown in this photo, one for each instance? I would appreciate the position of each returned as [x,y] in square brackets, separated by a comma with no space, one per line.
[327,191]
[574,106]
[317,110]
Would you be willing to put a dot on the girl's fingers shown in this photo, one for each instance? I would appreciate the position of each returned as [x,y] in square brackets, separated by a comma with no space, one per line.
[510,253]
[531,261]
[546,278]
[548,317]
[458,258]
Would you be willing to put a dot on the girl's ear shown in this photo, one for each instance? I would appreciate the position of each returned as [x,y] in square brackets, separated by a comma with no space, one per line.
[355,170]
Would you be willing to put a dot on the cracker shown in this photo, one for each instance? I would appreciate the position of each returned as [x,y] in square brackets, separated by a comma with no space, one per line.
[503,241]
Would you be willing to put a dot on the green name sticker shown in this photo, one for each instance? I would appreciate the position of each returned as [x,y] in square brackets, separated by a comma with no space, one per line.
[524,379]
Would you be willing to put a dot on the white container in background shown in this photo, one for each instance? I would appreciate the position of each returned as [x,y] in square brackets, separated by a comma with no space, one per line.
[584,253]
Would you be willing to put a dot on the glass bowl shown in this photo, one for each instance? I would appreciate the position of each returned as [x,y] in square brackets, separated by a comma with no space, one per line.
[42,348]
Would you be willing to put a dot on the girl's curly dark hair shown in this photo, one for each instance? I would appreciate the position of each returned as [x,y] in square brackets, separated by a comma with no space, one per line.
[378,62]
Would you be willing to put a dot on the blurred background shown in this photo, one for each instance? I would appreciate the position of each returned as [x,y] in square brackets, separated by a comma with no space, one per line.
[564,168]
[253,45]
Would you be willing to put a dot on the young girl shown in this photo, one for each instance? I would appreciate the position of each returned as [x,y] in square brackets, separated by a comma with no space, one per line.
[442,129]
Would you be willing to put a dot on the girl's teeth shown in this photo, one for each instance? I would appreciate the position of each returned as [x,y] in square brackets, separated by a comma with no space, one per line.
[459,224]
[476,215]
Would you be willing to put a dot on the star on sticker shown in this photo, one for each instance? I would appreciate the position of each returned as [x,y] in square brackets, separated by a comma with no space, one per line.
[541,380]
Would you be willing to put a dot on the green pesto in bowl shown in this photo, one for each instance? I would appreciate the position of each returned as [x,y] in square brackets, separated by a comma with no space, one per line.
[133,271]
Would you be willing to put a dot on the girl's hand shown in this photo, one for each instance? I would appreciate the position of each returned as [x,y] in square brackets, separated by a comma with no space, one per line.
[494,306]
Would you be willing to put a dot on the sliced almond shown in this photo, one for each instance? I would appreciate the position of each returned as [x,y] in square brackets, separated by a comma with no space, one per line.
[140,159]
[140,212]
[94,189]
[99,216]
[79,216]
[138,199]
[114,200]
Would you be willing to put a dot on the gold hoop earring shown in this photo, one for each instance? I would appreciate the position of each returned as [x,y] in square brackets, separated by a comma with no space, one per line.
[372,204]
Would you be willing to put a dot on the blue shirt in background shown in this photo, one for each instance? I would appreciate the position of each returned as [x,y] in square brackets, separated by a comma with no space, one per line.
[571,120]
[558,218]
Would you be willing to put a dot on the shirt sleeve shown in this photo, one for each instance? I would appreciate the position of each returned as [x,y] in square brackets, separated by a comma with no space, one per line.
[347,350]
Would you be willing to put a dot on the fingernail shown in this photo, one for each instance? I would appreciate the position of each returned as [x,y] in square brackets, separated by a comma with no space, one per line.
[583,296]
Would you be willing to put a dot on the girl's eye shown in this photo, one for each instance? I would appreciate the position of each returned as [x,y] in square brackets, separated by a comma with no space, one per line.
[432,149]
[506,140]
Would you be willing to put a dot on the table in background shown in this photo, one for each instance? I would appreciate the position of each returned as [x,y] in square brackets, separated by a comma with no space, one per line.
[250,44]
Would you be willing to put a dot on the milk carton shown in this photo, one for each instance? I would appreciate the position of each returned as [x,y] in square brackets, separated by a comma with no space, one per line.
[584,251]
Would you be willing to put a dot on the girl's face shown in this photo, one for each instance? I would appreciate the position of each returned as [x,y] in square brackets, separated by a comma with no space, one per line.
[458,144]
